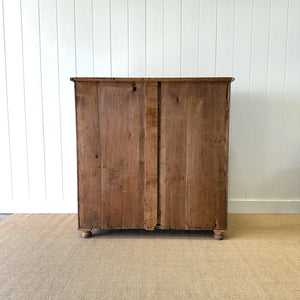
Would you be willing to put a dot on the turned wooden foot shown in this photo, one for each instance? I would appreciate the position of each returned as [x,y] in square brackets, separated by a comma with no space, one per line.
[218,234]
[86,234]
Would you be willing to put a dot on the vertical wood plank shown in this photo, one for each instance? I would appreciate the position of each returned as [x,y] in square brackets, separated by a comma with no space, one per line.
[256,127]
[119,38]
[172,38]
[207,38]
[225,38]
[101,27]
[122,154]
[173,153]
[151,152]
[16,105]
[275,99]
[137,23]
[190,35]
[84,37]
[5,159]
[154,38]
[194,155]
[239,100]
[51,100]
[207,155]
[33,103]
[290,172]
[66,68]
[88,155]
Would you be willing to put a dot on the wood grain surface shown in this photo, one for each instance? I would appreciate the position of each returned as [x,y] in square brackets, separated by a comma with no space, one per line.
[193,155]
[121,119]
[88,155]
[152,154]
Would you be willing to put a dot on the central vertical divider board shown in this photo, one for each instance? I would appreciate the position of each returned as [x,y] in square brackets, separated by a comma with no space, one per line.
[151,154]
[121,120]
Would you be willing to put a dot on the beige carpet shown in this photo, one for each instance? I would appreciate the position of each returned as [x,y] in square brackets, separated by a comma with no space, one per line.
[43,257]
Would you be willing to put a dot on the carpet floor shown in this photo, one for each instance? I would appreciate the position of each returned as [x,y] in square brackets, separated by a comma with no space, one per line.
[43,257]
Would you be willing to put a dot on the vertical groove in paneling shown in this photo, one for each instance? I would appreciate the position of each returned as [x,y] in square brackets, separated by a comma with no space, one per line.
[42,100]
[145,38]
[207,38]
[75,50]
[249,93]
[172,38]
[189,38]
[136,36]
[198,37]
[24,99]
[59,101]
[216,37]
[128,33]
[101,38]
[163,38]
[154,38]
[233,37]
[5,158]
[119,38]
[93,35]
[232,74]
[84,38]
[180,63]
[110,58]
[281,183]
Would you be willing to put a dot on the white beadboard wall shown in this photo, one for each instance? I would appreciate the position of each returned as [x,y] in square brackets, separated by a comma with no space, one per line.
[45,42]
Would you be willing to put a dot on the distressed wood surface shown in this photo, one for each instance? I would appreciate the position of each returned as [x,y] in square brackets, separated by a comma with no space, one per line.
[193,155]
[121,116]
[88,155]
[173,147]
[151,152]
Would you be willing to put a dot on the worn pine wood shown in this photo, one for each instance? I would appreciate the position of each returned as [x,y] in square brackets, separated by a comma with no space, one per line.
[193,155]
[121,119]
[88,155]
[173,147]
[151,152]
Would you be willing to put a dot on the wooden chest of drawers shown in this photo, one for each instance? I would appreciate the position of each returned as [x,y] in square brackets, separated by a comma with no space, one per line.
[152,153]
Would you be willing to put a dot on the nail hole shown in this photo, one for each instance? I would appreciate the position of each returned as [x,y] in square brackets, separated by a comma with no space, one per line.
[134,88]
